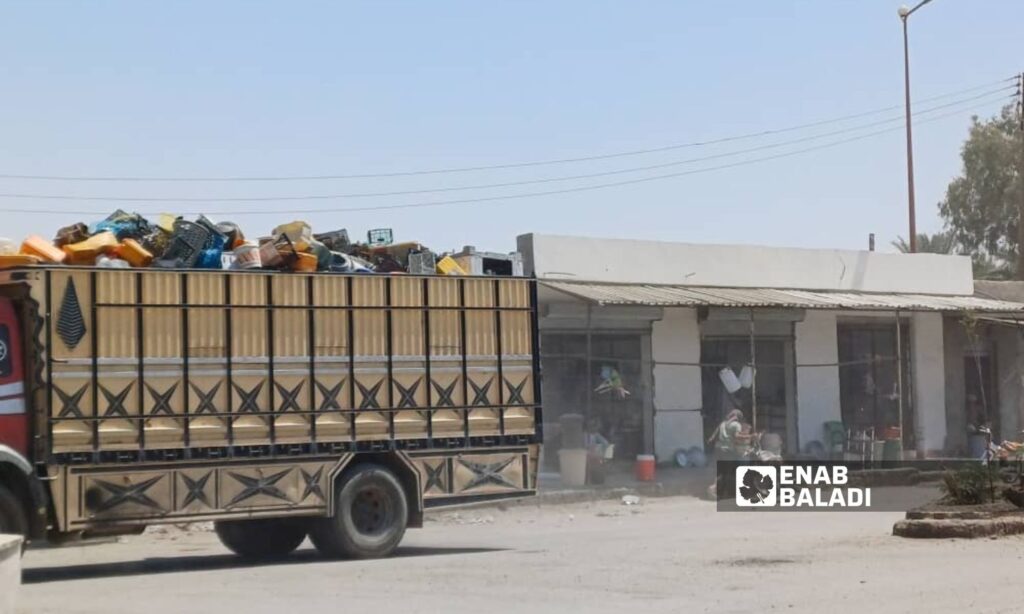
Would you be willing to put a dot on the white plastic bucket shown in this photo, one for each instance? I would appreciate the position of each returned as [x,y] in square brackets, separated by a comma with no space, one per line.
[572,464]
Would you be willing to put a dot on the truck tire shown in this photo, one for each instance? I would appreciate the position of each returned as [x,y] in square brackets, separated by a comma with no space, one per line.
[370,515]
[263,538]
[12,514]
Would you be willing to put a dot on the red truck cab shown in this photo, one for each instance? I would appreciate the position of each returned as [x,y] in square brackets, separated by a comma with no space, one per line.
[13,419]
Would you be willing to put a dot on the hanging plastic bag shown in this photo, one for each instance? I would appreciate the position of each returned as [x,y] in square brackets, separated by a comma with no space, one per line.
[747,376]
[729,380]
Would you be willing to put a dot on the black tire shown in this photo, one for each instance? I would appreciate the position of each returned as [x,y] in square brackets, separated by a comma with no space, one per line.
[269,538]
[13,520]
[370,515]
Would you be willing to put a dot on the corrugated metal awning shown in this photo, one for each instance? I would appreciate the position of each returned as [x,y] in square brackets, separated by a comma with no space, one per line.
[695,296]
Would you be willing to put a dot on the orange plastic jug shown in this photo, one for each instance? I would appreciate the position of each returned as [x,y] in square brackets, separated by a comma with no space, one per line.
[85,252]
[42,249]
[306,263]
[135,254]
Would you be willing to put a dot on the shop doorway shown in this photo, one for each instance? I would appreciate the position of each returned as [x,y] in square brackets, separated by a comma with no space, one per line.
[874,380]
[775,384]
[601,376]
[981,403]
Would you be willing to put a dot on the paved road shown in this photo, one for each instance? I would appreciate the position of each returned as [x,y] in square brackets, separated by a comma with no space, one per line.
[665,555]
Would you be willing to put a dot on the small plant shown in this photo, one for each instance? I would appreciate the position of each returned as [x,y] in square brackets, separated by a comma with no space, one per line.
[972,484]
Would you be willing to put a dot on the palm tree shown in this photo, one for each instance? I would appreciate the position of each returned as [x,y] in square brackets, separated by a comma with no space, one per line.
[938,243]
[984,265]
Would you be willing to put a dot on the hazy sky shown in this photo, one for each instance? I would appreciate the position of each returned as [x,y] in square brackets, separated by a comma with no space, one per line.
[248,88]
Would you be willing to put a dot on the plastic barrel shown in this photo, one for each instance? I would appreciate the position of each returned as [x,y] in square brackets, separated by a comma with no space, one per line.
[572,464]
[892,450]
[644,468]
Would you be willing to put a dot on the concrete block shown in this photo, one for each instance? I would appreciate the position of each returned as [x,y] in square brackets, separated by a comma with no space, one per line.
[10,571]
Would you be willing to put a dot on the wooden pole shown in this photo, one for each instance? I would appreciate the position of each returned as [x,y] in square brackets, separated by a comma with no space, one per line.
[753,367]
[899,376]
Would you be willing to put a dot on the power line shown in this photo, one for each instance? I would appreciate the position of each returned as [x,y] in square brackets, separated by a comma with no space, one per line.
[601,186]
[312,197]
[620,154]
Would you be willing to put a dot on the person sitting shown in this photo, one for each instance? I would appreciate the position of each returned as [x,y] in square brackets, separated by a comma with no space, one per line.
[598,450]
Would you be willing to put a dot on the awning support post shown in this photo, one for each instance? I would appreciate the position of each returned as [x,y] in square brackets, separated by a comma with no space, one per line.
[753,384]
[899,377]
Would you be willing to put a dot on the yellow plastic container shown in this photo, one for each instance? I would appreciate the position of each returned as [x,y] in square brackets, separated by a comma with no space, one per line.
[165,222]
[85,252]
[12,260]
[135,254]
[448,266]
[42,249]
[298,232]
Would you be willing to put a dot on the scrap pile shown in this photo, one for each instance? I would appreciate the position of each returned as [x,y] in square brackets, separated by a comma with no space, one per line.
[128,240]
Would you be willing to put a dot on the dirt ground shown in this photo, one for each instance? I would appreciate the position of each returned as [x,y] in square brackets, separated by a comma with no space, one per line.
[665,555]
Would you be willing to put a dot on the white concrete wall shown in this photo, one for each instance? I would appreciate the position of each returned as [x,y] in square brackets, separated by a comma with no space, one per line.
[817,387]
[654,262]
[929,374]
[677,389]
[10,571]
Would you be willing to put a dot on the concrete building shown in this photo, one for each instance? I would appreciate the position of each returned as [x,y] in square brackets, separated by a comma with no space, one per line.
[636,335]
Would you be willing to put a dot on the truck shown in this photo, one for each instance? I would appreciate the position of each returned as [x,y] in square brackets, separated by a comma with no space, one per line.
[278,406]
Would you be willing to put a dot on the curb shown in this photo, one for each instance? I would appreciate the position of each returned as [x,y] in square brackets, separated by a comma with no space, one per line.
[968,528]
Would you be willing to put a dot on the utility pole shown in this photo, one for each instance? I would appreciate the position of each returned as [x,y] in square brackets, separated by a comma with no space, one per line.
[905,12]
[910,139]
[1020,177]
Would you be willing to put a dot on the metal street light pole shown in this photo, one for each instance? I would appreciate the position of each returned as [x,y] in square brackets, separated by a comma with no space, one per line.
[904,13]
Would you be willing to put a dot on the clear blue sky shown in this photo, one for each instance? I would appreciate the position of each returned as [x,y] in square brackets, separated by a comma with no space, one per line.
[309,88]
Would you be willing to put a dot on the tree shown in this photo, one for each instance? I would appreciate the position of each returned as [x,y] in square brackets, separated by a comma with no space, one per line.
[985,266]
[938,243]
[982,206]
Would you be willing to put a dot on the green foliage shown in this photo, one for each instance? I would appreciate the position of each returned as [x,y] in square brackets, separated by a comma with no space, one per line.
[981,207]
[971,485]
[938,243]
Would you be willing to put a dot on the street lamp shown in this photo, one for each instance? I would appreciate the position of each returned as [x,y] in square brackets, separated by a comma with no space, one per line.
[904,13]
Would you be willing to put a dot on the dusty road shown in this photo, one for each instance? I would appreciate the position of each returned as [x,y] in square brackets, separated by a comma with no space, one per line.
[665,555]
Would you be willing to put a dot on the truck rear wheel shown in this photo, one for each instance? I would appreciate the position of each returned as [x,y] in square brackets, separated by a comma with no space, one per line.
[12,514]
[263,538]
[370,515]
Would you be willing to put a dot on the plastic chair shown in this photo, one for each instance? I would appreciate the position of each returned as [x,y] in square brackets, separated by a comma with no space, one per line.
[835,438]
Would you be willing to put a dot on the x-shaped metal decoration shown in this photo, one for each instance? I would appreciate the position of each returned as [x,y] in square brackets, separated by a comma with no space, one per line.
[196,489]
[435,476]
[369,395]
[444,394]
[69,402]
[289,398]
[484,473]
[207,404]
[330,395]
[515,393]
[408,394]
[115,402]
[262,485]
[162,400]
[312,481]
[128,493]
[250,400]
[480,392]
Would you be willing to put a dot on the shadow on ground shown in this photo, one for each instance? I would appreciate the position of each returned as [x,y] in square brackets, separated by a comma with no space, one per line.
[180,564]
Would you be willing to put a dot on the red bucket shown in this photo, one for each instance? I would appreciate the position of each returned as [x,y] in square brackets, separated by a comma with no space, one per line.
[644,468]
